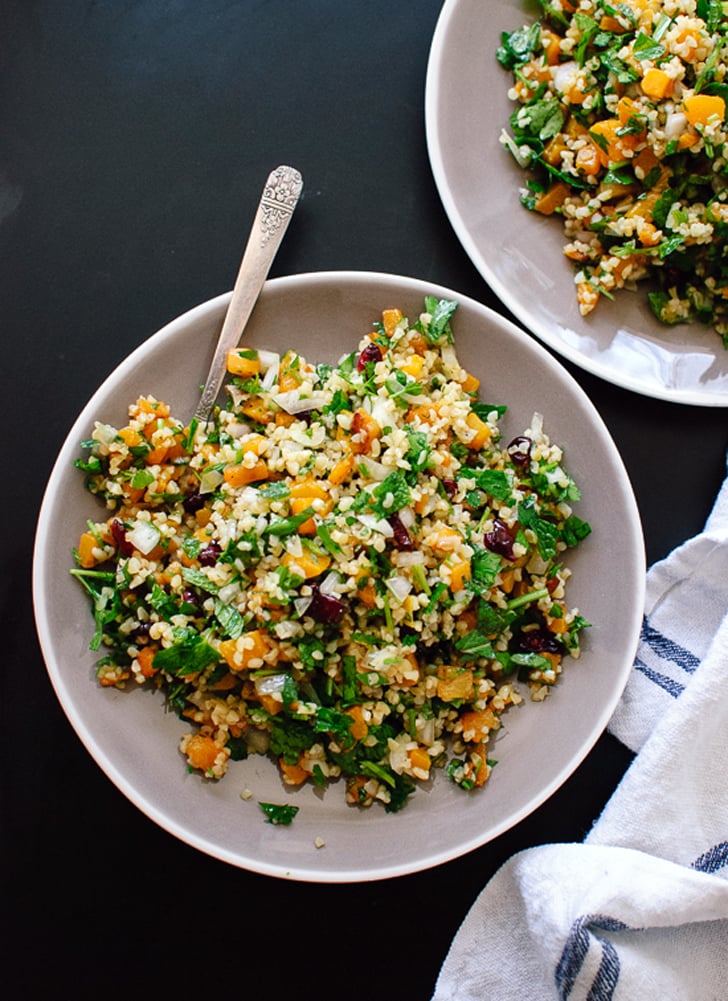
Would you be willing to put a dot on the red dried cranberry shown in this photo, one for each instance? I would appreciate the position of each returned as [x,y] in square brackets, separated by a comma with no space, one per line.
[500,539]
[208,556]
[119,533]
[536,641]
[401,538]
[193,502]
[372,352]
[190,597]
[519,450]
[326,608]
[449,486]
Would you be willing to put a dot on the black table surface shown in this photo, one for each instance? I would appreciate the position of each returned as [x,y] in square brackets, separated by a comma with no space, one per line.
[135,136]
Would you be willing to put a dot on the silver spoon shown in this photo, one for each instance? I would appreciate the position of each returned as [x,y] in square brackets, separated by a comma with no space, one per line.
[280,197]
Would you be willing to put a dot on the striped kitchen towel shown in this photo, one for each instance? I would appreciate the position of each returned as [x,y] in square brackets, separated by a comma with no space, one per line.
[639,910]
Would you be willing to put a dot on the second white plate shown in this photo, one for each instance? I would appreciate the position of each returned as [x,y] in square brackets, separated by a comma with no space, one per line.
[519,253]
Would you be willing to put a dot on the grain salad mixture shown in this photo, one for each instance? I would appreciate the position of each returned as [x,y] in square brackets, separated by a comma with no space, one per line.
[346,569]
[621,126]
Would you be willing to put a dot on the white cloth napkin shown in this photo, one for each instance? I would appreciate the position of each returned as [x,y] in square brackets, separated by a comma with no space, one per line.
[639,910]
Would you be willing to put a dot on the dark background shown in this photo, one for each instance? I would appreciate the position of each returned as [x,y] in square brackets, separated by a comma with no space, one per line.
[134,141]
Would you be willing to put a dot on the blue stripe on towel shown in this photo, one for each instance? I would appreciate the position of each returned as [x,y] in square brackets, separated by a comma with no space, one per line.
[667,648]
[712,860]
[673,688]
[576,950]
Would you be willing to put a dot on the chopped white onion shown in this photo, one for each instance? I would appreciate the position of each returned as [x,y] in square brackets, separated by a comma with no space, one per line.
[301,605]
[407,516]
[268,360]
[270,683]
[376,524]
[374,469]
[331,584]
[400,587]
[144,536]
[406,558]
[210,480]
[293,403]
[228,592]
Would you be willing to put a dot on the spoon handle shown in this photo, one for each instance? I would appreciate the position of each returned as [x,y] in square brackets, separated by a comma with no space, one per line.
[280,197]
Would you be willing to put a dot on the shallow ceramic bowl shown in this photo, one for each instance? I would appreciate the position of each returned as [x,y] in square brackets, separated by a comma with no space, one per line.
[519,253]
[135,741]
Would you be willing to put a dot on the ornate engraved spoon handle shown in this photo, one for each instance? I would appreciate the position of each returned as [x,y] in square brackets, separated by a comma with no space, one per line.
[280,197]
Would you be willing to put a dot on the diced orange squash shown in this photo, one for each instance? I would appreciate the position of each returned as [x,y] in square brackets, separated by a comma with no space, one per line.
[413,366]
[687,139]
[554,198]
[443,539]
[477,724]
[459,575]
[700,108]
[253,645]
[310,563]
[364,429]
[645,161]
[390,319]
[657,84]
[341,470]
[293,775]
[130,437]
[470,384]
[611,146]
[551,45]
[148,405]
[588,160]
[298,506]
[257,410]
[289,376]
[242,362]
[310,489]
[145,659]
[156,456]
[482,431]
[253,443]
[270,703]
[359,727]
[419,759]
[238,475]
[454,683]
[86,545]
[367,594]
[202,751]
[553,150]
[482,770]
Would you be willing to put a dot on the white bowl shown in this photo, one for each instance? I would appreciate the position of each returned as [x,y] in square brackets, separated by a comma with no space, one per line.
[135,741]
[519,253]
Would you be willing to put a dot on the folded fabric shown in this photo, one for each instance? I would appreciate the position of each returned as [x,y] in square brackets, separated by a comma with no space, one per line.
[639,911]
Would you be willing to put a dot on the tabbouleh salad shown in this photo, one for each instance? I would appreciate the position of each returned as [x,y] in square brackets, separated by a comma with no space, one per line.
[346,568]
[621,123]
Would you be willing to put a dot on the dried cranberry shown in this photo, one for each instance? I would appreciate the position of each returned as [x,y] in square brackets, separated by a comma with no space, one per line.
[193,502]
[449,486]
[119,533]
[519,450]
[141,631]
[326,608]
[500,539]
[190,597]
[372,352]
[208,556]
[401,537]
[536,641]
